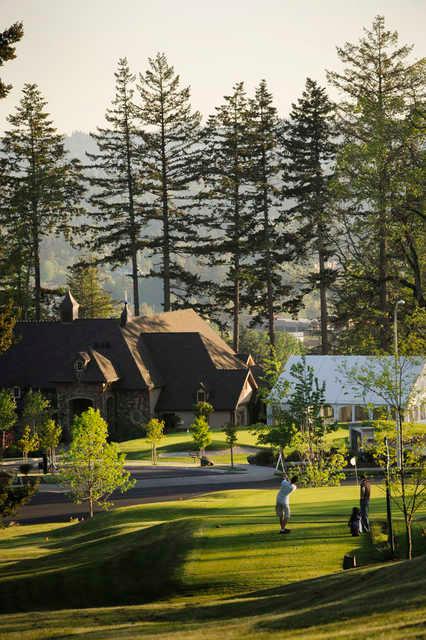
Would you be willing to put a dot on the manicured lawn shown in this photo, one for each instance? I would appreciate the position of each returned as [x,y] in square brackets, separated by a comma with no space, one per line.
[219,567]
[181,442]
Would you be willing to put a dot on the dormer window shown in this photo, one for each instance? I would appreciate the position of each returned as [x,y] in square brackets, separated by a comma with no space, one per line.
[79,365]
[201,395]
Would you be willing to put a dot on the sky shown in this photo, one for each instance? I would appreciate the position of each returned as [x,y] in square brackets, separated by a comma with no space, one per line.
[71,47]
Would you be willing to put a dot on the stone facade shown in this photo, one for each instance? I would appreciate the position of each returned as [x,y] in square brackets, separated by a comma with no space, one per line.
[96,395]
[124,411]
[132,410]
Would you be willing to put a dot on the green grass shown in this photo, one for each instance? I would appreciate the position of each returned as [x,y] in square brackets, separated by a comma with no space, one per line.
[181,441]
[216,567]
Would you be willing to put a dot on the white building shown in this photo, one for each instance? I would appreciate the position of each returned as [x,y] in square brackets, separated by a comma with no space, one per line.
[347,402]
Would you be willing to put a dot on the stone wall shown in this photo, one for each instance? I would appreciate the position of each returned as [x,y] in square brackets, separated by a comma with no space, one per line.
[132,411]
[97,394]
[125,411]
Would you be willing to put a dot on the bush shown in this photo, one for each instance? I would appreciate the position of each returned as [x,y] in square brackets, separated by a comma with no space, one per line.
[328,472]
[25,468]
[171,421]
[12,451]
[263,458]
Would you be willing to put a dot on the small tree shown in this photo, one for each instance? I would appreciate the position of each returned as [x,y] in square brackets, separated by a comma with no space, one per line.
[13,497]
[201,435]
[154,435]
[8,415]
[203,409]
[50,436]
[36,410]
[28,442]
[231,439]
[414,497]
[92,467]
[298,420]
[391,379]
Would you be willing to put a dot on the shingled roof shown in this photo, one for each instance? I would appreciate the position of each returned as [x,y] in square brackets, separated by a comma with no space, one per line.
[187,360]
[174,351]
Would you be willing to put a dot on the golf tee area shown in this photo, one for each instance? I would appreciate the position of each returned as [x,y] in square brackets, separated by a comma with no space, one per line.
[214,566]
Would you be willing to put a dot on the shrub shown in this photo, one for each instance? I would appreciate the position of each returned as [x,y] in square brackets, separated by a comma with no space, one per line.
[263,458]
[25,468]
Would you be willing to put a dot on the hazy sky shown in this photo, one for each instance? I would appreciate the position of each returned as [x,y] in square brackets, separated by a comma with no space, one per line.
[71,47]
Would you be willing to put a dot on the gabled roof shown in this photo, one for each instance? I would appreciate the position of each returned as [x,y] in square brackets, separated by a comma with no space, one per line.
[186,361]
[174,351]
[44,354]
[339,390]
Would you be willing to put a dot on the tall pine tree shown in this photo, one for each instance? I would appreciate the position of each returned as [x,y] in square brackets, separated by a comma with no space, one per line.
[116,176]
[376,85]
[43,185]
[8,39]
[171,133]
[309,162]
[271,243]
[225,203]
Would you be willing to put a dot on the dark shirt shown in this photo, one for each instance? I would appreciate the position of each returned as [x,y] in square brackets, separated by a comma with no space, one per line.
[365,490]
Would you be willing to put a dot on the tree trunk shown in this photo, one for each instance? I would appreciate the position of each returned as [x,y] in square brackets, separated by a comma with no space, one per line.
[236,311]
[165,207]
[37,277]
[409,540]
[323,304]
[269,287]
[90,504]
[232,457]
[133,234]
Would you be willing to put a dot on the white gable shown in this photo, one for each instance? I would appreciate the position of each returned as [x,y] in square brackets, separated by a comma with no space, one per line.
[338,389]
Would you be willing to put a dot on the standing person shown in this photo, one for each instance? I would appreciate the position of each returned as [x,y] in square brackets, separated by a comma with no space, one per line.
[365,491]
[282,506]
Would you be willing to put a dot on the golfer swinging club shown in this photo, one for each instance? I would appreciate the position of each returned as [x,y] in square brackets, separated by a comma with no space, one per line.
[282,506]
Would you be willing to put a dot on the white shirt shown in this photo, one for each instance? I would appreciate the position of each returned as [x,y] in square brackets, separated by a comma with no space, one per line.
[285,490]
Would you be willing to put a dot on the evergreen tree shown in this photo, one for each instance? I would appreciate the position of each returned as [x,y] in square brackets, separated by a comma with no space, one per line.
[309,156]
[171,135]
[116,175]
[85,283]
[377,86]
[44,187]
[270,242]
[225,203]
[8,38]
[7,319]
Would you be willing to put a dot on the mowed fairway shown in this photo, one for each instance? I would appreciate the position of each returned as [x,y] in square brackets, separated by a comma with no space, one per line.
[213,566]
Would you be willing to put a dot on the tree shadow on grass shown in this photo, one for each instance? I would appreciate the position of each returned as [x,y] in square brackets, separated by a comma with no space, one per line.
[355,595]
[122,569]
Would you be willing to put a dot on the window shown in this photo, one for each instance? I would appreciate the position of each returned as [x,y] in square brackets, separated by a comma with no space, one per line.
[327,411]
[79,365]
[201,395]
[16,392]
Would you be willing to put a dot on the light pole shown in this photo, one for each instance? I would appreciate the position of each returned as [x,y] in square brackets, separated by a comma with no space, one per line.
[397,386]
